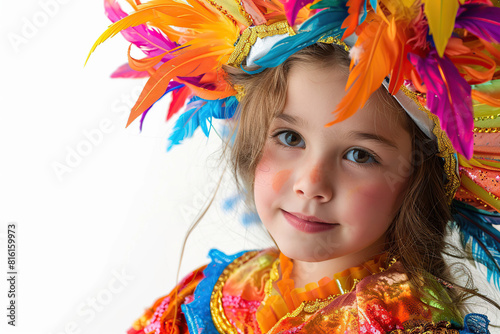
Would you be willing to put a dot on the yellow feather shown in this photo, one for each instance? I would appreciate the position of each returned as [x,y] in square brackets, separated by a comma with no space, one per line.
[150,12]
[132,20]
[400,10]
[441,17]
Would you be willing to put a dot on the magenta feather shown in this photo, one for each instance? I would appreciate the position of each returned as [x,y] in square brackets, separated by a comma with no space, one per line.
[453,105]
[481,20]
[172,86]
[125,71]
[149,40]
[292,8]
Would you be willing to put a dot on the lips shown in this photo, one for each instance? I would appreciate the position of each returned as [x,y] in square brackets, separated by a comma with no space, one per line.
[311,219]
[308,224]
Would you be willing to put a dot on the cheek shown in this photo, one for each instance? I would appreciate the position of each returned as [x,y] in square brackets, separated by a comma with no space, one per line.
[374,202]
[270,173]
[269,184]
[280,178]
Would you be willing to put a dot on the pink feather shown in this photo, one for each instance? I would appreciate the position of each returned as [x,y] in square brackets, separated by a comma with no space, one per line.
[149,40]
[125,71]
[449,98]
[292,8]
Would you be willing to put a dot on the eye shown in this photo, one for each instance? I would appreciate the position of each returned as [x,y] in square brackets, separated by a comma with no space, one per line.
[361,157]
[289,138]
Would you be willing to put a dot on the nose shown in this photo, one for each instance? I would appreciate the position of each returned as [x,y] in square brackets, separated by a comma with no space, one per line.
[314,182]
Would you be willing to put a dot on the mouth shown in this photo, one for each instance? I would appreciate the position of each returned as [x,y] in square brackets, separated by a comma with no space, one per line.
[307,224]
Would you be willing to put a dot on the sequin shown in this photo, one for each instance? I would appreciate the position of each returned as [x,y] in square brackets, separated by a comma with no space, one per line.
[381,302]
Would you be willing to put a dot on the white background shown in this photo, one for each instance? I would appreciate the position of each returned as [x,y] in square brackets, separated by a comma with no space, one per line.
[100,241]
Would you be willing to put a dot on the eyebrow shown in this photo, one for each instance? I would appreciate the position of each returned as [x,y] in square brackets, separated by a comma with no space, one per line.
[373,137]
[292,120]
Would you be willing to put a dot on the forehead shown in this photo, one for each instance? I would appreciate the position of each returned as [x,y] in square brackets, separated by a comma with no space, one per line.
[313,94]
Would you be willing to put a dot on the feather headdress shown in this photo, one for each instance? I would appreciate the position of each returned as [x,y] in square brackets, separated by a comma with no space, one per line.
[439,58]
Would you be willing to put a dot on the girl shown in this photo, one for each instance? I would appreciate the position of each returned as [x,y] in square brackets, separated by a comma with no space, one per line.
[358,209]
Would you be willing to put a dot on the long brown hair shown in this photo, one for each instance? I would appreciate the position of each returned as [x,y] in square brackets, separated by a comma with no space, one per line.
[416,235]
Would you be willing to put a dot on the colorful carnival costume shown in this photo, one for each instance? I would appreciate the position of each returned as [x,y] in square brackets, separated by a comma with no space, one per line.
[438,58]
[235,294]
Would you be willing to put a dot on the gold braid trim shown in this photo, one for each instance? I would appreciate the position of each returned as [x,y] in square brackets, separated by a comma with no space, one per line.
[221,322]
[249,37]
[273,277]
[446,150]
[486,130]
[335,40]
[243,12]
[425,327]
[484,118]
[223,11]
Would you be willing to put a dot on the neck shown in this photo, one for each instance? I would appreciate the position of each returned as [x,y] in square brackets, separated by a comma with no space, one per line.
[306,272]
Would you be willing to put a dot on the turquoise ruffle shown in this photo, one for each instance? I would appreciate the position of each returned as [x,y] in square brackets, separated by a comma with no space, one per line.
[198,315]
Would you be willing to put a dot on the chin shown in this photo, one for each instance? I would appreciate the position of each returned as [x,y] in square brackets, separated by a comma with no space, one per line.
[305,253]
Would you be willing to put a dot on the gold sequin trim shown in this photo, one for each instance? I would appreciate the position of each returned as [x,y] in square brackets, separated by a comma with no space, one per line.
[485,118]
[240,92]
[486,130]
[249,37]
[446,150]
[477,199]
[425,327]
[221,322]
[244,13]
[273,276]
[335,40]
[223,11]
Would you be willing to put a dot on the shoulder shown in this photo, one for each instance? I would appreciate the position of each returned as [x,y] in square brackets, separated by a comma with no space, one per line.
[165,311]
[225,276]
[390,300]
[187,307]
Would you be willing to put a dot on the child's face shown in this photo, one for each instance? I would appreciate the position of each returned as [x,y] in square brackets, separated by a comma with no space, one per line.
[330,172]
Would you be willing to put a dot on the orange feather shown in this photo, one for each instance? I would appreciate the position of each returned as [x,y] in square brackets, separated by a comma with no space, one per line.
[375,63]
[143,64]
[489,99]
[351,22]
[182,65]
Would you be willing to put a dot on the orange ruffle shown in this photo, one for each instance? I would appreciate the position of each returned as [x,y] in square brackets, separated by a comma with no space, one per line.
[277,305]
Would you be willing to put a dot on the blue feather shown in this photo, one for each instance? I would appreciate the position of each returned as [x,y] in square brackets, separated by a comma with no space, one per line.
[250,218]
[329,4]
[341,4]
[478,232]
[322,25]
[230,202]
[200,113]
